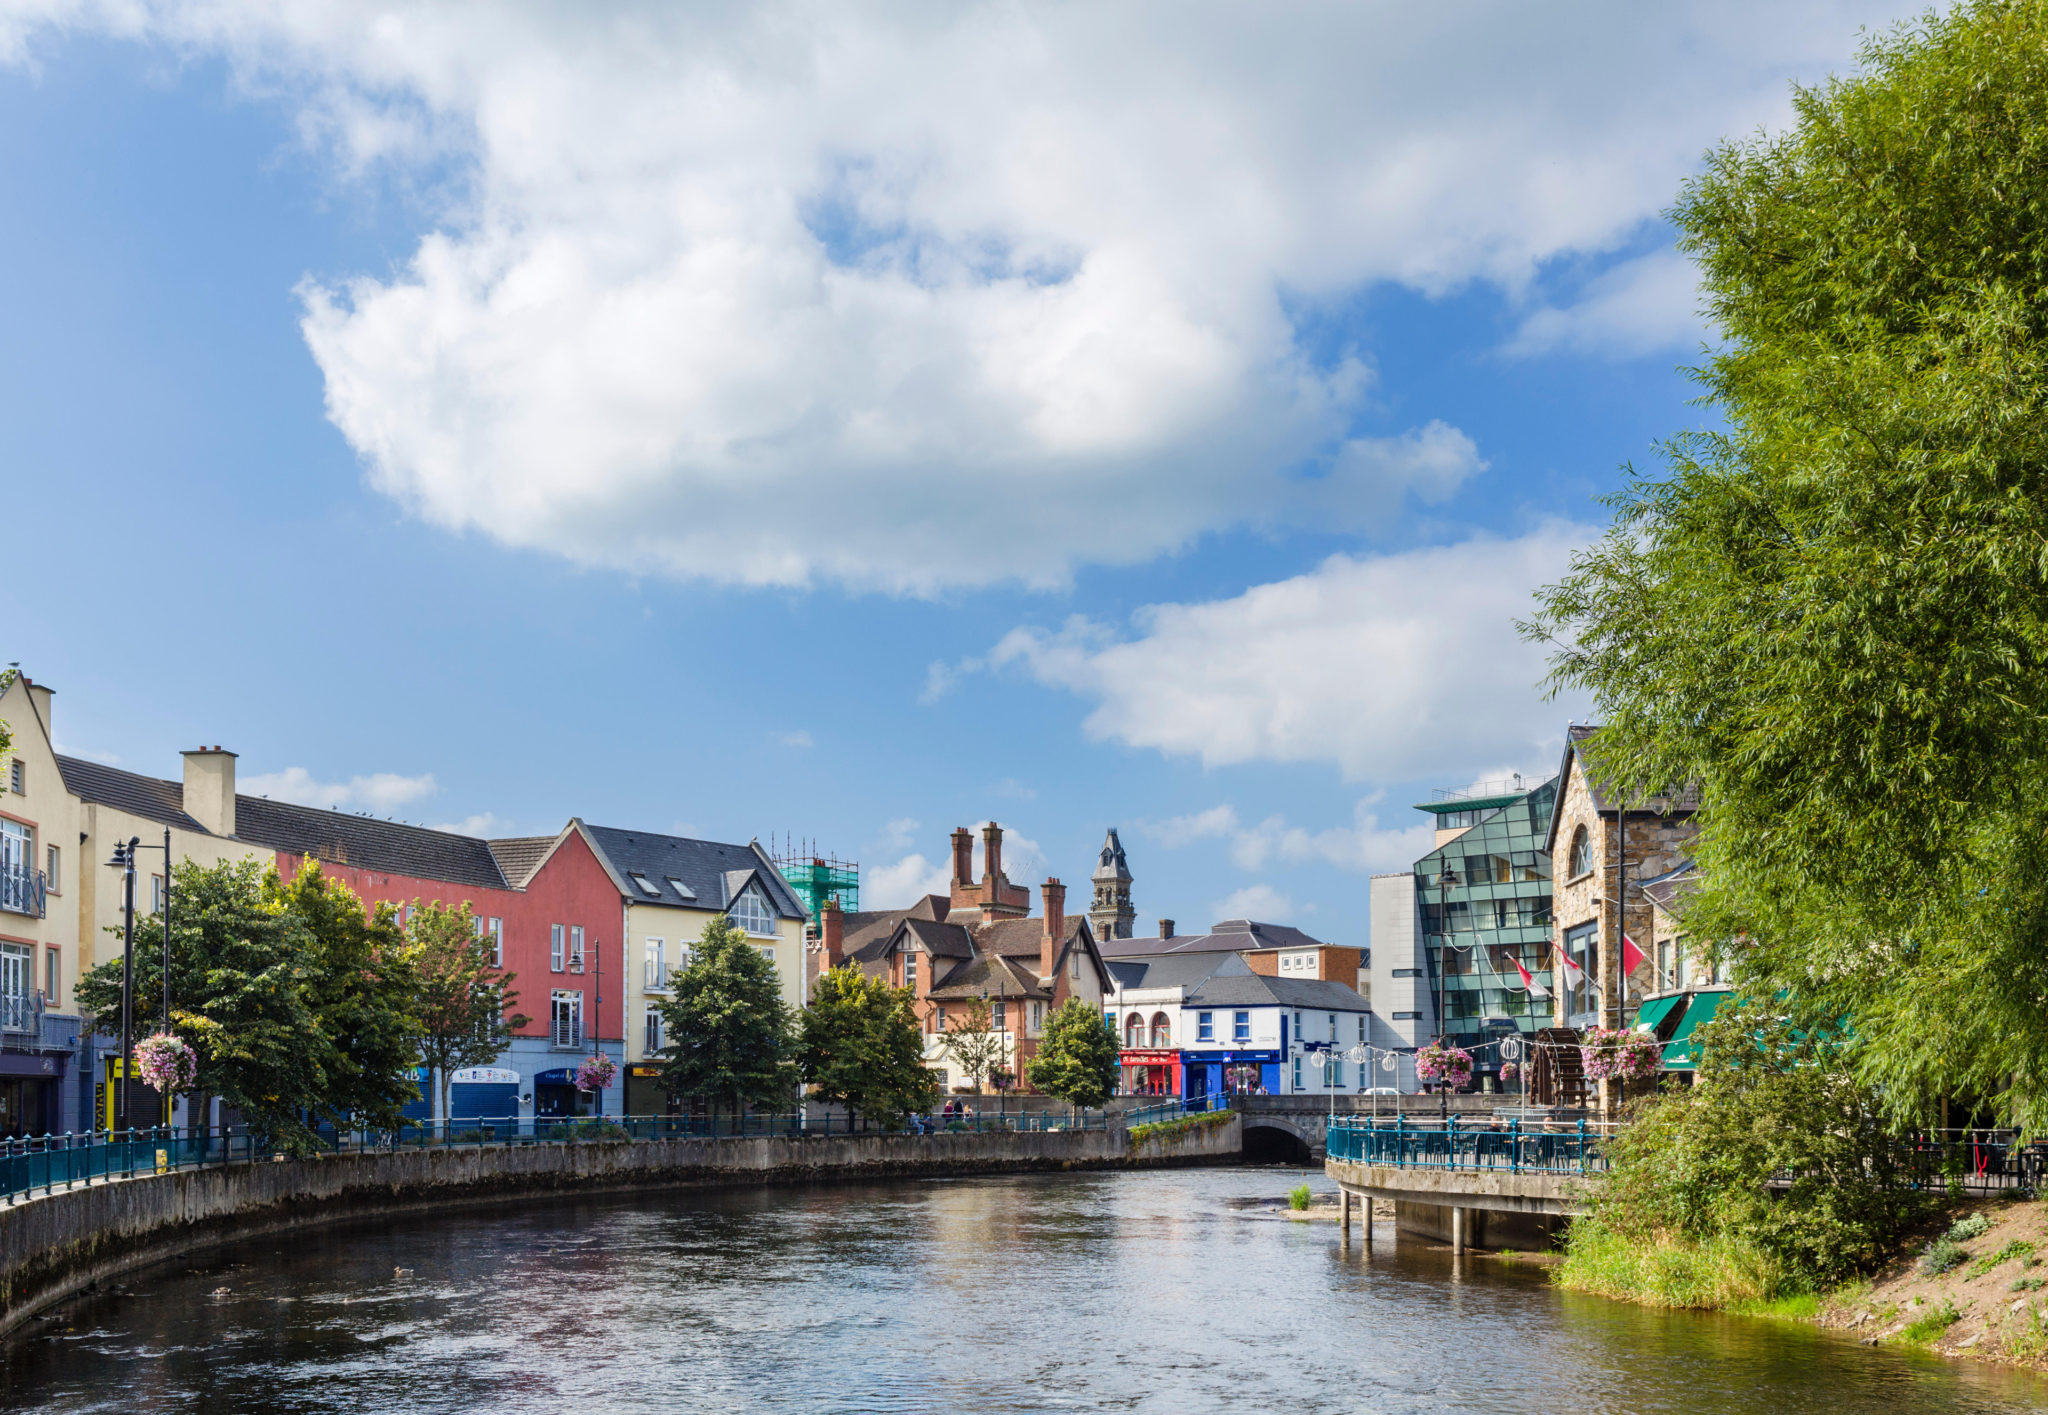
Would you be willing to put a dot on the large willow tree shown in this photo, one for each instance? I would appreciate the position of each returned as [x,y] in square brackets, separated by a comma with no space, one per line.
[1832,611]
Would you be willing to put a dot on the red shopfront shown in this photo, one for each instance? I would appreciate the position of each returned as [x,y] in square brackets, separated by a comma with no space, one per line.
[1150,1073]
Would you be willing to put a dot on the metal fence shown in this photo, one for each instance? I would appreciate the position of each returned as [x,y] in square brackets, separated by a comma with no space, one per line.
[42,1164]
[1510,1146]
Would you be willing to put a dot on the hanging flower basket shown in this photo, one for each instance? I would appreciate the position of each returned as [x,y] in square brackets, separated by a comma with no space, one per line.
[166,1064]
[1438,1062]
[596,1073]
[1610,1055]
[1509,1071]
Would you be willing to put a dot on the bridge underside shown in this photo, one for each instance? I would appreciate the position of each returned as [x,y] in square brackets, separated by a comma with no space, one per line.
[1467,1208]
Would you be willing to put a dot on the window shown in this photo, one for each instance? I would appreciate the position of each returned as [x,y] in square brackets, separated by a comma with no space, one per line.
[17,968]
[410,910]
[476,925]
[939,1077]
[683,891]
[1297,1073]
[1361,1026]
[1205,1026]
[56,882]
[653,1038]
[1037,1016]
[942,1019]
[647,886]
[17,777]
[657,969]
[575,948]
[998,1013]
[768,952]
[1407,972]
[910,967]
[1297,1024]
[1407,1016]
[1162,1030]
[156,894]
[1582,852]
[52,977]
[1074,965]
[566,1020]
[1333,1026]
[496,933]
[1134,1031]
[751,912]
[1240,1026]
[555,948]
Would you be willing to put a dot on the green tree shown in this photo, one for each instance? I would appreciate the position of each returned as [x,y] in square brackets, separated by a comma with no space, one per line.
[1830,614]
[465,1000]
[1077,1056]
[729,1031]
[239,996]
[859,1045]
[363,991]
[977,1046]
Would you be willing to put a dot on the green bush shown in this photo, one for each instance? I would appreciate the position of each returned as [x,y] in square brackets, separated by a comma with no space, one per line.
[1964,1229]
[1930,1326]
[1180,1124]
[1942,1255]
[2019,1248]
[1297,1197]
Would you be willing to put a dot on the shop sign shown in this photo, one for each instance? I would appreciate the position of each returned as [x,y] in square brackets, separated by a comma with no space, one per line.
[483,1076]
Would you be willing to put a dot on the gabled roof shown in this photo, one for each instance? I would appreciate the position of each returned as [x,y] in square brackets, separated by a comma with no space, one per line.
[1172,970]
[707,868]
[939,939]
[519,858]
[1230,936]
[363,842]
[128,791]
[1681,803]
[1248,989]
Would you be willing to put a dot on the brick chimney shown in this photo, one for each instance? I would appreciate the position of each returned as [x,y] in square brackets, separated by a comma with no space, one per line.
[832,925]
[963,857]
[210,788]
[1055,927]
[992,858]
[1166,928]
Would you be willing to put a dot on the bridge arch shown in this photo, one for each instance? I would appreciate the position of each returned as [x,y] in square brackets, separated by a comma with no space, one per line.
[1274,1139]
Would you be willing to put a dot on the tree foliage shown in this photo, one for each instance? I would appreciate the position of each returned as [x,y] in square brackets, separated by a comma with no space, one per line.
[1694,1171]
[860,1046]
[464,998]
[977,1047]
[730,1034]
[1831,612]
[1077,1056]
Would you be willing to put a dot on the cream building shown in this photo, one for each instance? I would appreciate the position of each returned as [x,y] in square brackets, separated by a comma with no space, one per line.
[670,889]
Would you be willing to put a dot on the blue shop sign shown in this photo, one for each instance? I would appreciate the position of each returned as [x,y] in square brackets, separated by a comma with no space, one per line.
[1212,1057]
[558,1077]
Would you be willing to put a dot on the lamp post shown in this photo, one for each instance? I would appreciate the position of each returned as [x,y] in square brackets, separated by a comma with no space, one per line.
[124,860]
[1446,881]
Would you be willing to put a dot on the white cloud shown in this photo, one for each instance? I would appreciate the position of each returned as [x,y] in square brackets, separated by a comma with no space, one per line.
[1648,303]
[798,739]
[381,792]
[1392,667]
[1260,902]
[1364,845]
[891,297]
[483,823]
[902,884]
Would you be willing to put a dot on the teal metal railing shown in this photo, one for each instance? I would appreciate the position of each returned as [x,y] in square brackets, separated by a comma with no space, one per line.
[1510,1146]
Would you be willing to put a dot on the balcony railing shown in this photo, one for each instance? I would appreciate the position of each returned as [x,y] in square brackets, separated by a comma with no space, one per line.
[21,1012]
[23,890]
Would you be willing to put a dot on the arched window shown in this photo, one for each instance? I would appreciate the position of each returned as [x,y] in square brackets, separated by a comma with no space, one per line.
[1134,1031]
[1582,852]
[751,912]
[1162,1030]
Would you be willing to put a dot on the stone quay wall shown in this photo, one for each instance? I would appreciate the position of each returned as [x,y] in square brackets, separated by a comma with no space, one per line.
[56,1246]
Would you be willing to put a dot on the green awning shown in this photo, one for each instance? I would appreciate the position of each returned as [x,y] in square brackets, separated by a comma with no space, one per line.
[1650,1016]
[1678,1052]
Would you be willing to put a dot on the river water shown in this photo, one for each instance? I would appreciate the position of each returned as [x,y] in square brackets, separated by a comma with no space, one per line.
[1144,1292]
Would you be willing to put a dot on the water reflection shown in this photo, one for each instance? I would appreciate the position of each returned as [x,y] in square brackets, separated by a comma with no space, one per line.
[1098,1292]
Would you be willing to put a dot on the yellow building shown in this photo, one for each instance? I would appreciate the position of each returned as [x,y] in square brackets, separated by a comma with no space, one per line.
[670,889]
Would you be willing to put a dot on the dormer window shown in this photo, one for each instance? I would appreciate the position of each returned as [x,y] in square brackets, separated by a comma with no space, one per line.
[751,912]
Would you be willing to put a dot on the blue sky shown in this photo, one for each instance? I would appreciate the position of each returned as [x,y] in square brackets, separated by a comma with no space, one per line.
[830,422]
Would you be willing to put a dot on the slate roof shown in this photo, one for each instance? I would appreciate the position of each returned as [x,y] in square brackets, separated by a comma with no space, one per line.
[1021,938]
[1173,970]
[1681,803]
[1256,990]
[518,858]
[361,841]
[1230,936]
[996,977]
[128,791]
[712,871]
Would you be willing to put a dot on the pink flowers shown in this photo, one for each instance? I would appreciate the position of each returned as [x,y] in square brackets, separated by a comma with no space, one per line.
[1509,1071]
[1438,1062]
[1619,1055]
[596,1073]
[165,1063]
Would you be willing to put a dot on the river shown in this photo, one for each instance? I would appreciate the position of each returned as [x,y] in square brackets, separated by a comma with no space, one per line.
[1146,1292]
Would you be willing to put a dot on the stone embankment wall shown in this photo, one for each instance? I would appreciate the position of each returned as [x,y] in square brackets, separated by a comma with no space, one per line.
[54,1246]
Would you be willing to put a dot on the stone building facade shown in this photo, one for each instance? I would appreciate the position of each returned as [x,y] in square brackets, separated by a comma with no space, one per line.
[1589,843]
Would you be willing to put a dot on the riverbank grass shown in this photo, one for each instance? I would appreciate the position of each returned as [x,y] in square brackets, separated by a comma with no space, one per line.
[1666,1270]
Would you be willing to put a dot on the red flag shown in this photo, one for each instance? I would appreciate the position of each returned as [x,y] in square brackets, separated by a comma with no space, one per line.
[1632,957]
[1529,983]
[1574,975]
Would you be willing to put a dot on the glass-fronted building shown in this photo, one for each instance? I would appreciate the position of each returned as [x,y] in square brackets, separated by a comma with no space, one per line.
[1494,911]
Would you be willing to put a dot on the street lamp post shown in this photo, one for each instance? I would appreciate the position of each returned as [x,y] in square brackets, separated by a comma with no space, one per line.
[124,860]
[1446,881]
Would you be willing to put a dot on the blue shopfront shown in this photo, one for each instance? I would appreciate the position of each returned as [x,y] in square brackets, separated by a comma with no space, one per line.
[555,1094]
[1231,1073]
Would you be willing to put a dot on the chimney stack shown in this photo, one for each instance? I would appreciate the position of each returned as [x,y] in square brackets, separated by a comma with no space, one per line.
[210,789]
[963,857]
[1055,927]
[40,696]
[832,924]
[992,856]
[1166,928]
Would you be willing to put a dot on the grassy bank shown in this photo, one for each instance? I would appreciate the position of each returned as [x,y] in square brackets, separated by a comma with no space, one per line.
[1665,1270]
[1180,1125]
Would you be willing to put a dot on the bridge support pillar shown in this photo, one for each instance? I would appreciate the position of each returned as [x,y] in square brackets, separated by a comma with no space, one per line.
[1457,1231]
